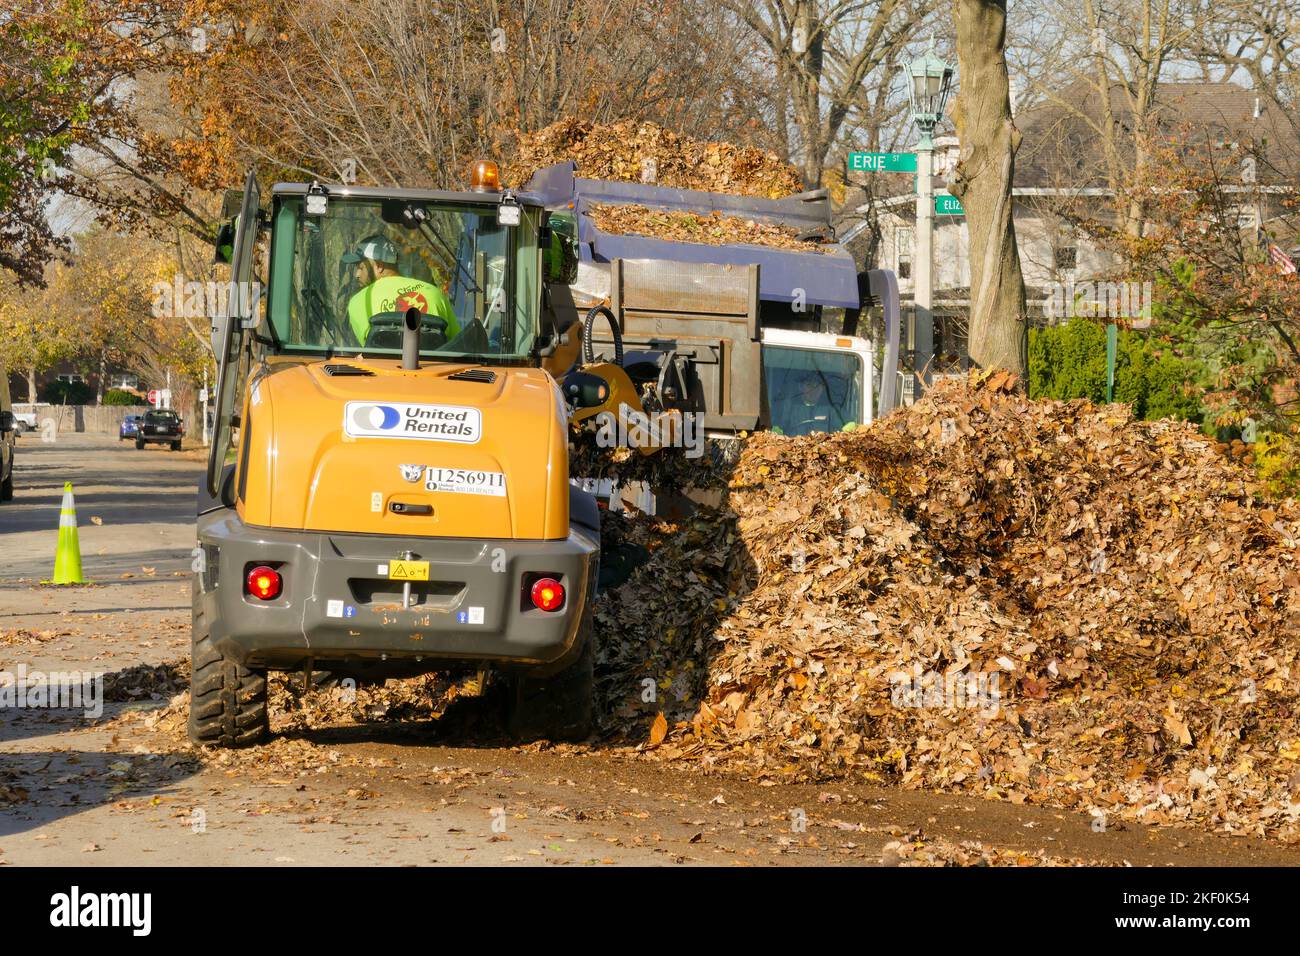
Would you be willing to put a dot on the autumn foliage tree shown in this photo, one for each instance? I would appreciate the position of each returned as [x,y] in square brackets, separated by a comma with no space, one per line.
[70,72]
[403,92]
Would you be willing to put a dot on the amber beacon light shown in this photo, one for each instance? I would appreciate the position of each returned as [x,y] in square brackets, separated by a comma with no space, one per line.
[485,177]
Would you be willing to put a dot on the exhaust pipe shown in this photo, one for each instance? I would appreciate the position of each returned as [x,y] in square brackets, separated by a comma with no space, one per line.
[411,339]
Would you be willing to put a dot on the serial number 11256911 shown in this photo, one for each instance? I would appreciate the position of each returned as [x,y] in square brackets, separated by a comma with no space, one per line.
[465,482]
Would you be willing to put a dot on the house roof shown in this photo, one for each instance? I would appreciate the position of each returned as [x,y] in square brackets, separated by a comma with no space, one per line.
[1062,146]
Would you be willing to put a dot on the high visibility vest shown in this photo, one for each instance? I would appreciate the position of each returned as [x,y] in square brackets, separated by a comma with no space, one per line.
[397,294]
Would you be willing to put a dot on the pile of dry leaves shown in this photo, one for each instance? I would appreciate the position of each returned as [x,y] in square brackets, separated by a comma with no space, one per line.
[1038,601]
[712,229]
[638,152]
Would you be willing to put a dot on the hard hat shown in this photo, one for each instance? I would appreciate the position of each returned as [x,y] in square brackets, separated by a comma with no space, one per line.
[376,247]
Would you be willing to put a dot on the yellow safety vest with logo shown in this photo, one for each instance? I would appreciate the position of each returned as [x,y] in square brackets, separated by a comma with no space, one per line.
[397,294]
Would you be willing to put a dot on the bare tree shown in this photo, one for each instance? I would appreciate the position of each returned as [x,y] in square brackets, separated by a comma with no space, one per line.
[989,139]
[1260,38]
[830,60]
[404,92]
[1122,50]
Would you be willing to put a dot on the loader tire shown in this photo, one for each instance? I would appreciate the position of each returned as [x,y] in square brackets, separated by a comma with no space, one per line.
[228,706]
[7,488]
[560,708]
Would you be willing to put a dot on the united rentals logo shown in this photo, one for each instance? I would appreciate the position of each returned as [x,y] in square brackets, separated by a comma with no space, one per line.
[454,423]
[411,472]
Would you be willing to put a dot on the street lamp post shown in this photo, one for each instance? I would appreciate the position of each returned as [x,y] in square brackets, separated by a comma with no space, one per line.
[929,80]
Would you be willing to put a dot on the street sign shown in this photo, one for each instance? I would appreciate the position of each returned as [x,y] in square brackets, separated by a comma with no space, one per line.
[882,162]
[945,205]
[154,396]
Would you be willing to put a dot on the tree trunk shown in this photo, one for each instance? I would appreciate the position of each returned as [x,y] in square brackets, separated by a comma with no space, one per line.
[998,336]
[31,385]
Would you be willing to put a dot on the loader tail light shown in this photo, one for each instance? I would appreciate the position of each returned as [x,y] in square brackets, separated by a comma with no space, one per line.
[548,594]
[264,583]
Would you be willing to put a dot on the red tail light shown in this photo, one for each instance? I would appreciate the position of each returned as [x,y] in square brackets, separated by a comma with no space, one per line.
[264,583]
[548,594]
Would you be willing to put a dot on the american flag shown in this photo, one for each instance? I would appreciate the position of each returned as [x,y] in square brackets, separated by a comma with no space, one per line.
[1281,260]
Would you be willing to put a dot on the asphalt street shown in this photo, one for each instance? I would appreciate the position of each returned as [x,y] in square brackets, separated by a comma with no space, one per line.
[125,787]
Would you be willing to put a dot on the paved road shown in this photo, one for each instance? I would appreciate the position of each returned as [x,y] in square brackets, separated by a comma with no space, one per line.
[145,500]
[126,789]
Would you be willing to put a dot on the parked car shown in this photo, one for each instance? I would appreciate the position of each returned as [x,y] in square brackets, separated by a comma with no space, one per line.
[130,427]
[160,426]
[27,414]
[8,436]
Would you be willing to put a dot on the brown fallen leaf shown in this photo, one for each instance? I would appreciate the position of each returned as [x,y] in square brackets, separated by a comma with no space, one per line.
[658,730]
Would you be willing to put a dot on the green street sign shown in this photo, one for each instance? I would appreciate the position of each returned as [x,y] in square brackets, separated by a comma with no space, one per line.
[882,162]
[945,205]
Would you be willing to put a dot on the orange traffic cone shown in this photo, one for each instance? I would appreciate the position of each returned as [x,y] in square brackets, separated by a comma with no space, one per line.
[67,557]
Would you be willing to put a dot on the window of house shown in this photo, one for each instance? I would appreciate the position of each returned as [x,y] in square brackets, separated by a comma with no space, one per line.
[1244,216]
[903,252]
[124,381]
[71,377]
[1066,257]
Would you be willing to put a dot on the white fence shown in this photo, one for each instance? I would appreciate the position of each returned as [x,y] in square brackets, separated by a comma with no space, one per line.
[94,419]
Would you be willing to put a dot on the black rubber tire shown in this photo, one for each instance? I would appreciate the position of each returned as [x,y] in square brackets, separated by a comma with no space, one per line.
[7,488]
[228,705]
[139,445]
[560,708]
[176,446]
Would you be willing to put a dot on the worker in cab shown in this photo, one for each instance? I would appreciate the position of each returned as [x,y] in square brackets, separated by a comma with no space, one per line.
[384,289]
[809,409]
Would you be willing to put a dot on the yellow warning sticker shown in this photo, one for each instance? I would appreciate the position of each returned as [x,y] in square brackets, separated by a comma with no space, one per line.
[408,570]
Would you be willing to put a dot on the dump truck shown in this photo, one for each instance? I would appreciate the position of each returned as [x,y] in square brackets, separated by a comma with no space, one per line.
[734,333]
[668,298]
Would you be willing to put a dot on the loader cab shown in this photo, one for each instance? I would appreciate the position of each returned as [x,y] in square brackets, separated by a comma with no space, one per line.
[470,263]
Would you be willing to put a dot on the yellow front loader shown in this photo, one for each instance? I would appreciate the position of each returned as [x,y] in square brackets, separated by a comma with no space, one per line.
[388,490]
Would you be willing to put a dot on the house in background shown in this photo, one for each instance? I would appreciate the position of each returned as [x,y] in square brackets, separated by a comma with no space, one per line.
[1060,169]
[68,372]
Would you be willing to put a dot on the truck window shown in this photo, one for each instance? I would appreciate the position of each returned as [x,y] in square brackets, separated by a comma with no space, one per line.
[812,390]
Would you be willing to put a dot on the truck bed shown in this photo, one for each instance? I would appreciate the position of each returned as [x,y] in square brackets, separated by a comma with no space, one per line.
[828,277]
